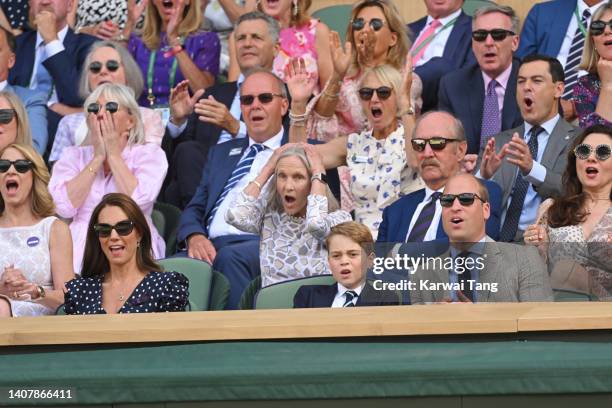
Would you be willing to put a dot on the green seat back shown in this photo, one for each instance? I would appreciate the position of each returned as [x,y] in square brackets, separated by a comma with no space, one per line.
[200,277]
[470,6]
[336,18]
[166,218]
[280,295]
[247,300]
[220,291]
[565,295]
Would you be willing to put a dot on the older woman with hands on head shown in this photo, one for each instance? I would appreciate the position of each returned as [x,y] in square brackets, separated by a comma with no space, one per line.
[290,205]
[35,246]
[117,160]
[381,162]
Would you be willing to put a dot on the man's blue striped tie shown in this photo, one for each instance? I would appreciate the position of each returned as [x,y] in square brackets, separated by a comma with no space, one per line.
[242,169]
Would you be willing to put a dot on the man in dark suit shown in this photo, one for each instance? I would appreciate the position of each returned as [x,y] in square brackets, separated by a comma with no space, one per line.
[483,95]
[416,216]
[557,29]
[441,44]
[50,59]
[530,159]
[350,249]
[215,119]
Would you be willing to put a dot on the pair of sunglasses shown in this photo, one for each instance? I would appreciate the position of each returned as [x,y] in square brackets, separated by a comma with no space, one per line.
[123,228]
[598,27]
[110,107]
[21,165]
[111,65]
[375,24]
[583,151]
[264,98]
[465,199]
[436,143]
[7,115]
[498,34]
[384,92]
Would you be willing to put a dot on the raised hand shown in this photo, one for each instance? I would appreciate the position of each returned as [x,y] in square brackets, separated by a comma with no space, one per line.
[341,57]
[366,44]
[107,30]
[519,154]
[314,157]
[175,22]
[299,81]
[604,71]
[405,92]
[181,104]
[134,11]
[110,136]
[212,111]
[95,137]
[46,25]
[491,160]
[469,163]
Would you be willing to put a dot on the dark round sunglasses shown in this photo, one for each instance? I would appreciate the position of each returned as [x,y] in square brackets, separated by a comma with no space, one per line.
[498,34]
[359,23]
[7,115]
[583,151]
[599,26]
[264,98]
[123,228]
[21,165]
[96,66]
[110,107]
[436,143]
[465,199]
[383,92]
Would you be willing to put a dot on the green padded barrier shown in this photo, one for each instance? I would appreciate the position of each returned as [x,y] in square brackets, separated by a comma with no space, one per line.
[470,6]
[220,291]
[336,18]
[247,299]
[166,218]
[565,295]
[200,278]
[280,295]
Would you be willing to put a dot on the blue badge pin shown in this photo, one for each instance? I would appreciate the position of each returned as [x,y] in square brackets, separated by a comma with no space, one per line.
[33,241]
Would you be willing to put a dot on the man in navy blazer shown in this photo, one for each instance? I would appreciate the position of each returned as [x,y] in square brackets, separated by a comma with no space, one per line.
[462,92]
[450,49]
[436,167]
[216,119]
[59,50]
[34,102]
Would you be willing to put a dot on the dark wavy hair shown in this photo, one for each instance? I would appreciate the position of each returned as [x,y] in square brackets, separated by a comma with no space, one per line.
[568,208]
[95,262]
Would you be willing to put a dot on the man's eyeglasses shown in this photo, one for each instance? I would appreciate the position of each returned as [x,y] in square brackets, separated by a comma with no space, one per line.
[96,66]
[383,92]
[359,23]
[498,34]
[436,143]
[123,228]
[599,26]
[21,165]
[7,115]
[583,151]
[264,98]
[465,199]
[110,107]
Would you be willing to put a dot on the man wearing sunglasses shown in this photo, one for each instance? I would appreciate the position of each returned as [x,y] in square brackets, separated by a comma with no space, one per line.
[528,161]
[50,58]
[558,29]
[440,145]
[216,118]
[483,96]
[481,269]
[441,43]
[34,102]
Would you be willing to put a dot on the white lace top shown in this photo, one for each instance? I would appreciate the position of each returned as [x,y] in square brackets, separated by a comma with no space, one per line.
[290,247]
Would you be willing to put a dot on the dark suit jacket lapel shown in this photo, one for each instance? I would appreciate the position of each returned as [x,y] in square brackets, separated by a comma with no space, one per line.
[456,35]
[556,143]
[325,295]
[407,214]
[226,167]
[510,111]
[416,28]
[25,67]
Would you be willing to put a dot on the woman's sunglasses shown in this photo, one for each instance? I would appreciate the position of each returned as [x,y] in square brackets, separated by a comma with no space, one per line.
[598,27]
[376,24]
[583,151]
[21,165]
[498,34]
[123,228]
[264,98]
[465,199]
[96,66]
[110,107]
[436,143]
[7,115]
[384,92]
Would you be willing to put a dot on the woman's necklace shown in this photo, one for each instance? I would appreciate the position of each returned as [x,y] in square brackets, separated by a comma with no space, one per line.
[594,201]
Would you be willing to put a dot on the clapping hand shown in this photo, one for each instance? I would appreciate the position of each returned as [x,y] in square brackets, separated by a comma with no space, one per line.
[491,160]
[300,82]
[366,44]
[134,11]
[181,104]
[405,92]
[175,22]
[110,135]
[519,154]
[341,57]
[95,136]
[212,111]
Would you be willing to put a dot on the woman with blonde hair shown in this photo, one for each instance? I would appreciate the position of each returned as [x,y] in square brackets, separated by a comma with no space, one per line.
[171,49]
[14,125]
[114,159]
[291,207]
[592,93]
[35,246]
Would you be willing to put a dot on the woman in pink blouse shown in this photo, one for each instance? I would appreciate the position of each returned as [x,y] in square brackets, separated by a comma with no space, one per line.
[117,160]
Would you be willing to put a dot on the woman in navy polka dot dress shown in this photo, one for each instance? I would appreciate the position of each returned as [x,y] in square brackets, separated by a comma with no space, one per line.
[119,274]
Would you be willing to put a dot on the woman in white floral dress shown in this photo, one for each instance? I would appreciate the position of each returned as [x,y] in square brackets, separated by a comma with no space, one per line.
[293,213]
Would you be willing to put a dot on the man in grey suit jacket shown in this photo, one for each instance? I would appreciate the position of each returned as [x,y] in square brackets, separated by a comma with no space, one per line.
[476,268]
[528,167]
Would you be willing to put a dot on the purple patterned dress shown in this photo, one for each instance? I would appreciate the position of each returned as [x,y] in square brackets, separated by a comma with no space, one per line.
[586,94]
